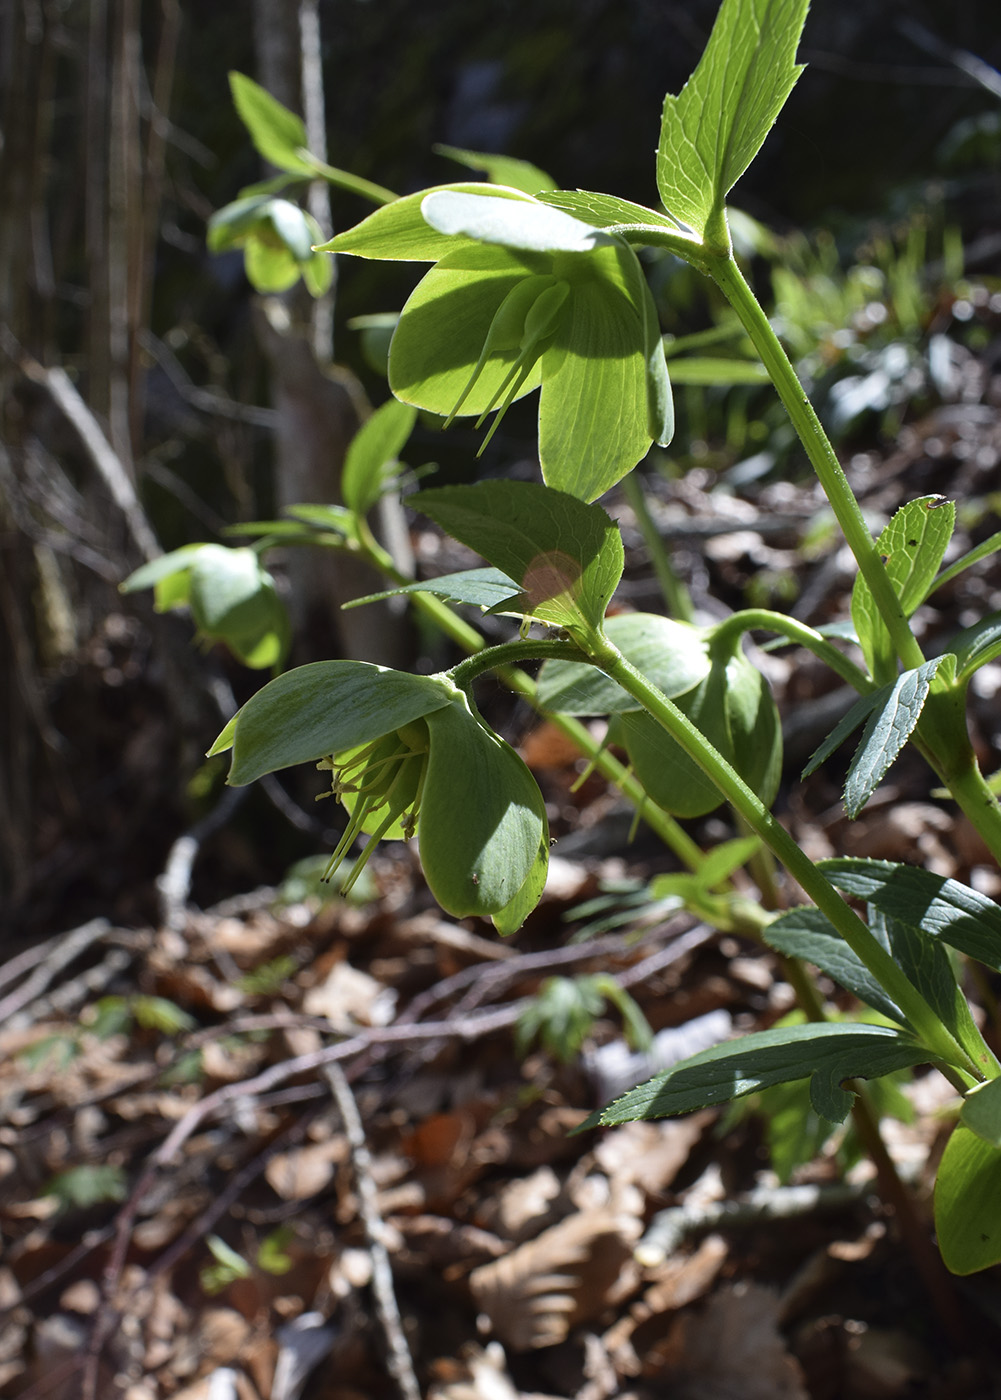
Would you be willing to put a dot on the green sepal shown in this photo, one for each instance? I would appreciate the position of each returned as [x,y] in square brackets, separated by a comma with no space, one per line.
[968,1203]
[398,232]
[981,1111]
[525,226]
[674,656]
[502,170]
[324,708]
[565,556]
[482,819]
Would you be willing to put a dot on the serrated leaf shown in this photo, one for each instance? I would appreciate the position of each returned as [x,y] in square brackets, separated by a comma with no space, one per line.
[502,170]
[373,452]
[808,934]
[485,588]
[886,733]
[946,909]
[912,545]
[713,129]
[673,655]
[967,1209]
[927,964]
[830,1053]
[846,726]
[324,708]
[564,555]
[278,134]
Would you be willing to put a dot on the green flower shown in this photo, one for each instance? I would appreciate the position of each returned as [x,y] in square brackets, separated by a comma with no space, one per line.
[407,755]
[521,296]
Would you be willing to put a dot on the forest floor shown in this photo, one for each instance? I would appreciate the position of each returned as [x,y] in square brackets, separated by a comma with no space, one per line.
[287,1145]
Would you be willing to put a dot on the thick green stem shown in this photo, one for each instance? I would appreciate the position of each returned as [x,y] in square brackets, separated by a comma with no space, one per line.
[926,1024]
[724,270]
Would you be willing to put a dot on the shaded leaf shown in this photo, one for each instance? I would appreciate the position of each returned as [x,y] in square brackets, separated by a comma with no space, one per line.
[967,1192]
[808,934]
[887,731]
[485,588]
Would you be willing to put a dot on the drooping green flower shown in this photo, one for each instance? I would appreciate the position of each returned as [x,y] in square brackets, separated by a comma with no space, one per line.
[407,755]
[524,296]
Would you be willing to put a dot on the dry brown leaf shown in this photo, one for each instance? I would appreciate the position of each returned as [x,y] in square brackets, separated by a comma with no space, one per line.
[350,998]
[305,1171]
[535,1295]
[730,1350]
[522,1207]
[650,1154]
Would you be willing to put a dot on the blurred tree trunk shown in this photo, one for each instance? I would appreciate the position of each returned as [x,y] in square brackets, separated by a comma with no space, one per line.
[319,404]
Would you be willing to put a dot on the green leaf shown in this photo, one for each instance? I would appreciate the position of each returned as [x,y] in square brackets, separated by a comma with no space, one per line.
[230,226]
[482,819]
[946,909]
[862,708]
[278,134]
[92,1185]
[673,655]
[160,1014]
[560,1016]
[485,588]
[808,934]
[398,232]
[502,170]
[566,556]
[825,1053]
[968,1203]
[887,731]
[982,551]
[269,269]
[712,131]
[981,1111]
[912,546]
[233,599]
[372,455]
[324,708]
[605,388]
[608,211]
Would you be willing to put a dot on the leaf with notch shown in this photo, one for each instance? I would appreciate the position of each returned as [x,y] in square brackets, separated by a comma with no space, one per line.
[565,556]
[825,1053]
[886,733]
[715,127]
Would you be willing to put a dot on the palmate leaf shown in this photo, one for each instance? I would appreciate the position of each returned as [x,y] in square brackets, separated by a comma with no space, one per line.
[825,1053]
[564,555]
[714,128]
[807,933]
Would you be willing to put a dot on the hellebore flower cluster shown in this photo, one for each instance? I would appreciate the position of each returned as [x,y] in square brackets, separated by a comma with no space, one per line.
[523,295]
[407,754]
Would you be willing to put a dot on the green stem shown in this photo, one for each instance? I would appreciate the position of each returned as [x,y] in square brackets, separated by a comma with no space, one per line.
[344,180]
[957,1064]
[765,620]
[676,596]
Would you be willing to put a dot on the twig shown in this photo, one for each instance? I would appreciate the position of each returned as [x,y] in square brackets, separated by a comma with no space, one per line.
[398,1360]
[109,465]
[174,885]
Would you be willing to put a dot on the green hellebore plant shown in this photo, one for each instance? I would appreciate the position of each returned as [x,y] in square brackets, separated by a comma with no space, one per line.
[521,296]
[408,754]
